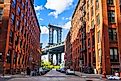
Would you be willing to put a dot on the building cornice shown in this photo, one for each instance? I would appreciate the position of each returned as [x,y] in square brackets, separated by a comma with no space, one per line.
[75,9]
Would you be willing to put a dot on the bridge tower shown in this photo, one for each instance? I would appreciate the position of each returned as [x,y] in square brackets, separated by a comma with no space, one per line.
[51,39]
[51,34]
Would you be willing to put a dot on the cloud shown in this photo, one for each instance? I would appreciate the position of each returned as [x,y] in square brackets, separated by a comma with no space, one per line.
[38,14]
[38,8]
[58,6]
[67,25]
[41,19]
[44,30]
[63,18]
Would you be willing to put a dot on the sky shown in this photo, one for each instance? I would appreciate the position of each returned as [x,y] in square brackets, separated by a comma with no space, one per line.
[55,12]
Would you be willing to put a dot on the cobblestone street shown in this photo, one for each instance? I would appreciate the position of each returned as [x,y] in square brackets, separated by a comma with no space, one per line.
[53,76]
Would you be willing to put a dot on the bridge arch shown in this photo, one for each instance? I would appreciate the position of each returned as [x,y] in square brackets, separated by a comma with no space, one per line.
[51,34]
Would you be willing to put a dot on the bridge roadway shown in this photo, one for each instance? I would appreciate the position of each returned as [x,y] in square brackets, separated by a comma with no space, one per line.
[57,48]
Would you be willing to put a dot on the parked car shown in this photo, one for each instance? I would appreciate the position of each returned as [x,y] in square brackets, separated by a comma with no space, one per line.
[41,71]
[62,70]
[70,71]
[46,70]
[111,77]
[58,70]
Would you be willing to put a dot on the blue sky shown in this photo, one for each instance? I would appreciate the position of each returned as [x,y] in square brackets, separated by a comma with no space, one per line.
[55,12]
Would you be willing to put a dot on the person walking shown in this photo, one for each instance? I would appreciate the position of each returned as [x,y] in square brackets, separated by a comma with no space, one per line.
[28,71]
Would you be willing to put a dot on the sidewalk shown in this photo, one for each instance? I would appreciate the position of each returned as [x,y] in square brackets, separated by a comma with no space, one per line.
[7,76]
[99,76]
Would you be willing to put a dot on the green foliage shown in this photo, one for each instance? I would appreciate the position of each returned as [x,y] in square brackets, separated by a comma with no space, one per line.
[56,67]
[46,64]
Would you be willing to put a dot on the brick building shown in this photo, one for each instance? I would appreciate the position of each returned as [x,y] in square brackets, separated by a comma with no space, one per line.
[19,36]
[96,23]
[68,52]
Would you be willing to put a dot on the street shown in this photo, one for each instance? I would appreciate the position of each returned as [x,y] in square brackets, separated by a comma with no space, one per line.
[53,75]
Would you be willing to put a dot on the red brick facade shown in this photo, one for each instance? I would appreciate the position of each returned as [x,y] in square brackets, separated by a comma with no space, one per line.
[95,36]
[68,52]
[19,36]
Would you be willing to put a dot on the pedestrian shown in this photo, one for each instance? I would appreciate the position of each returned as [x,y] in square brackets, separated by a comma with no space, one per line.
[28,71]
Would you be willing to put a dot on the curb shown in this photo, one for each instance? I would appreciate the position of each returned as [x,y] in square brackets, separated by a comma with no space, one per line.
[13,76]
[5,77]
[88,76]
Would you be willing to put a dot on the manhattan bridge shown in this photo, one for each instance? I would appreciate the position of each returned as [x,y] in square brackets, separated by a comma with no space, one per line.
[54,48]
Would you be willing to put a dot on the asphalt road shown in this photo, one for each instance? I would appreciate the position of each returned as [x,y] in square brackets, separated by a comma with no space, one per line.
[53,76]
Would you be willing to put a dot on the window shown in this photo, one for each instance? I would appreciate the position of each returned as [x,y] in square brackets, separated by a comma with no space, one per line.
[114,57]
[2,1]
[1,13]
[87,4]
[120,5]
[18,10]
[19,0]
[17,40]
[20,43]
[120,2]
[94,57]
[17,25]
[25,34]
[8,57]
[15,58]
[83,44]
[22,29]
[23,60]
[92,11]
[112,34]
[98,34]
[22,16]
[97,4]
[12,18]
[91,1]
[88,28]
[11,36]
[89,42]
[93,40]
[23,5]
[111,16]
[26,2]
[92,24]
[110,2]
[0,56]
[100,55]
[13,3]
[88,16]
[98,19]
[0,30]
[25,22]
[83,13]
[19,59]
